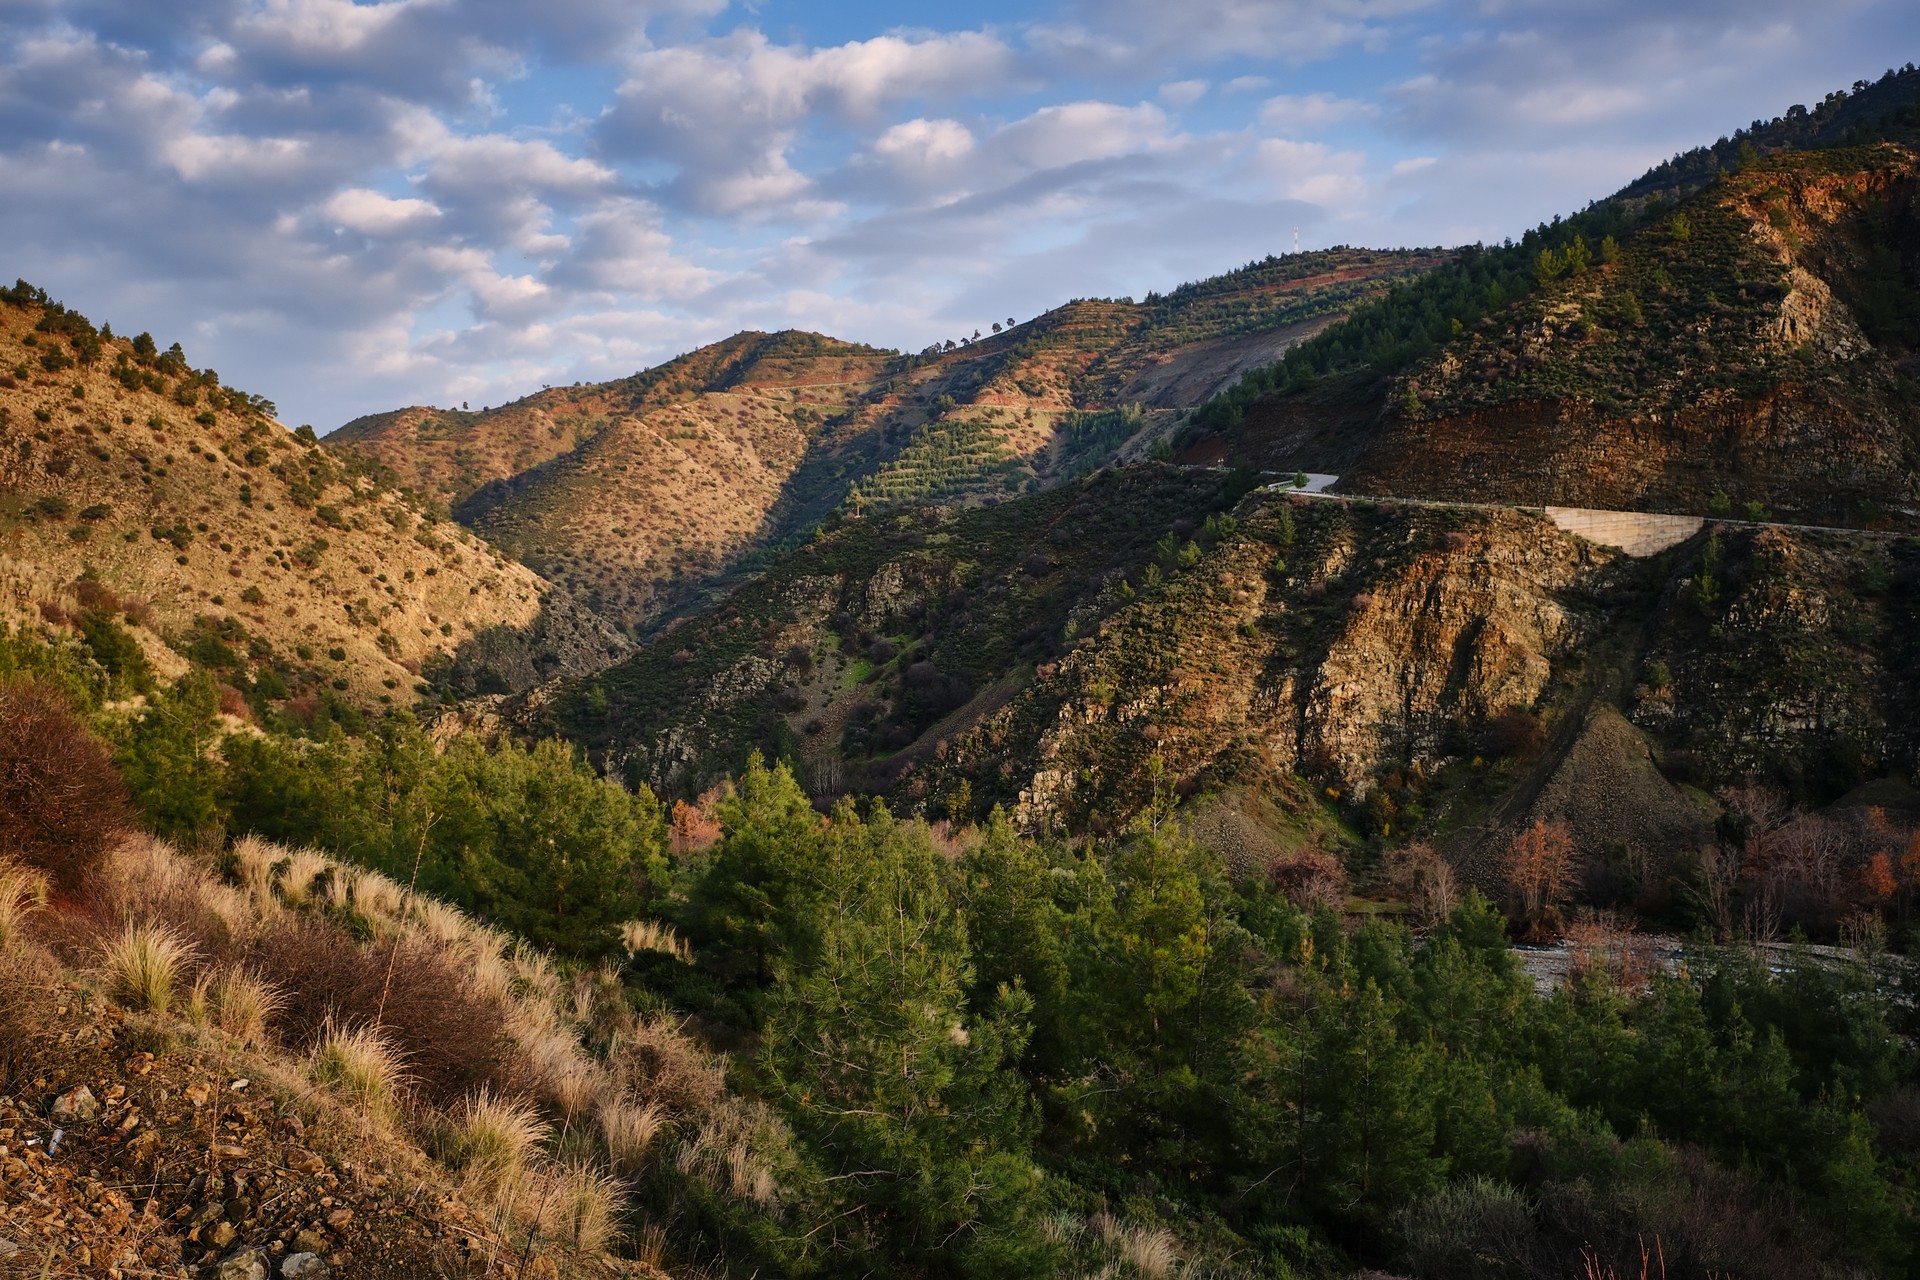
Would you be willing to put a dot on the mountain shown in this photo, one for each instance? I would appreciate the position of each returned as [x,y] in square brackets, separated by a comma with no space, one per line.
[1751,348]
[140,495]
[1353,668]
[640,494]
[1745,351]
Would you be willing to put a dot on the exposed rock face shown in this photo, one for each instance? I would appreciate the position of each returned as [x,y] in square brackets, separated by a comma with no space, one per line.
[1387,638]
[1737,351]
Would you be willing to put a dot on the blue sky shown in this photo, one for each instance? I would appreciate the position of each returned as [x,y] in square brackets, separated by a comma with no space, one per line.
[352,206]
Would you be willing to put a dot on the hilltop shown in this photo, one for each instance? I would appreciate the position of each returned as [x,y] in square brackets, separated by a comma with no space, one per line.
[1750,348]
[640,494]
[146,504]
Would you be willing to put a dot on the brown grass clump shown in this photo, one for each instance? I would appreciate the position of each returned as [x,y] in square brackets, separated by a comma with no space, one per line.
[628,1129]
[363,1065]
[243,1005]
[144,965]
[651,935]
[23,891]
[493,1139]
[582,1206]
[62,804]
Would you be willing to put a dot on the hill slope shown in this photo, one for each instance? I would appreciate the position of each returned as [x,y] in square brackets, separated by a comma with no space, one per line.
[638,494]
[1353,663]
[136,486]
[1754,345]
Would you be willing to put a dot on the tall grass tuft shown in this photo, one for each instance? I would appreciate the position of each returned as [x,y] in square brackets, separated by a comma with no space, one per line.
[651,935]
[244,1004]
[628,1129]
[362,1065]
[22,892]
[144,966]
[493,1137]
[582,1207]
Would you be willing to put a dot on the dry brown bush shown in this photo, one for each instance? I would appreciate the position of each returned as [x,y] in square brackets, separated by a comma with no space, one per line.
[1514,732]
[1312,879]
[1423,878]
[452,1041]
[1539,869]
[61,803]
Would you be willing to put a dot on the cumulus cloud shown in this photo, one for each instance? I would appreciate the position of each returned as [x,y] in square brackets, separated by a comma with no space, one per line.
[375,214]
[723,114]
[391,201]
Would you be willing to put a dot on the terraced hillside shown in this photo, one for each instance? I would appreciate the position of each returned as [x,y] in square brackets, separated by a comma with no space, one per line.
[144,504]
[640,494]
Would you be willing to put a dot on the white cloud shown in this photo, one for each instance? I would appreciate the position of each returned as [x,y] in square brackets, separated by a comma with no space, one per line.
[1183,93]
[374,214]
[1295,114]
[353,205]
[724,113]
[198,157]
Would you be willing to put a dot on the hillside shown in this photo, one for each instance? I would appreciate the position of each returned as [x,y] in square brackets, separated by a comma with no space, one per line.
[139,493]
[1756,346]
[640,494]
[1360,670]
[1750,349]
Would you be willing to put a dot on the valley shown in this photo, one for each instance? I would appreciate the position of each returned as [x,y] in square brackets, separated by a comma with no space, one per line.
[1378,763]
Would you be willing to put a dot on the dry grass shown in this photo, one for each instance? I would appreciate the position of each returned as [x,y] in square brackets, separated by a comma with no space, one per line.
[1150,1251]
[730,1145]
[23,891]
[492,1141]
[143,966]
[628,1129]
[657,1061]
[651,935]
[582,1206]
[244,1005]
[361,1065]
[301,869]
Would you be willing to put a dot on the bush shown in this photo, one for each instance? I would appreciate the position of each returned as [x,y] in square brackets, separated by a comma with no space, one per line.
[451,1039]
[1514,732]
[61,804]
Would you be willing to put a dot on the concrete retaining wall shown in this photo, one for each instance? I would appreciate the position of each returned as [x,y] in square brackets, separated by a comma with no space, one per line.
[1638,533]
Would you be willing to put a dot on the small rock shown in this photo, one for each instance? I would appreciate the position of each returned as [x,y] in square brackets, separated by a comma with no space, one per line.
[240,1085]
[76,1106]
[241,1264]
[309,1241]
[339,1219]
[229,1151]
[304,1161]
[308,1266]
[197,1094]
[7,1248]
[220,1234]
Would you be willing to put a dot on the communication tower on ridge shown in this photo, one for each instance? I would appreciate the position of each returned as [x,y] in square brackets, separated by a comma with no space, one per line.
[1296,239]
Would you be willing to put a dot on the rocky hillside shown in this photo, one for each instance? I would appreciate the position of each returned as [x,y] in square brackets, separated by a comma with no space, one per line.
[640,494]
[139,493]
[1358,669]
[1751,351]
[1755,346]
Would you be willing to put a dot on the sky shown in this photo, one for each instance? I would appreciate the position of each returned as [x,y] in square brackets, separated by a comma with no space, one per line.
[349,207]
